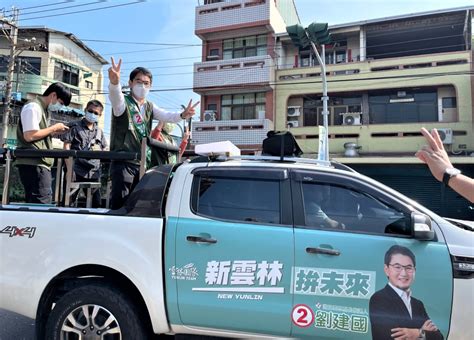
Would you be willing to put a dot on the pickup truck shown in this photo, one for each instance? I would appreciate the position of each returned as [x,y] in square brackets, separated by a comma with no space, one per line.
[235,247]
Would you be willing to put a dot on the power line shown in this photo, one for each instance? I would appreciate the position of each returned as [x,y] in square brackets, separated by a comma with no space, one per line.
[292,83]
[38,6]
[59,8]
[140,43]
[88,10]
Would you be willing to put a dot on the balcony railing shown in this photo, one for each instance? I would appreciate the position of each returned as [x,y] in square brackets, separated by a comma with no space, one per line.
[231,13]
[378,65]
[240,132]
[251,70]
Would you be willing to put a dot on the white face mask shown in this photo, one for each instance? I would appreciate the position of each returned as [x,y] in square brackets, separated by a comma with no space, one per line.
[140,91]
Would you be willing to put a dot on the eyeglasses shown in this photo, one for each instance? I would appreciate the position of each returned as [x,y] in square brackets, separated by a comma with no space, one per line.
[145,83]
[94,112]
[398,268]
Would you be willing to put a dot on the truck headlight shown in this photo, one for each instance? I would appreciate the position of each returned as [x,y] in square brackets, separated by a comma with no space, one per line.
[463,267]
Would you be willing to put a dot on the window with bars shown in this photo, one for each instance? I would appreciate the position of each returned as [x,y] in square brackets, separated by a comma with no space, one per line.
[66,73]
[242,47]
[242,106]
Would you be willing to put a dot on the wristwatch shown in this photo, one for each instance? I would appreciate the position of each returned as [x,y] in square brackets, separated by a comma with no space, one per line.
[450,173]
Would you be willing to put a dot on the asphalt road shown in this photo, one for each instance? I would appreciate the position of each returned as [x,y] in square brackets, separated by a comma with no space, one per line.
[16,327]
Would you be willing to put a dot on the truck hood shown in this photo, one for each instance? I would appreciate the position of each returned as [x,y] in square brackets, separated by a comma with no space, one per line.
[459,235]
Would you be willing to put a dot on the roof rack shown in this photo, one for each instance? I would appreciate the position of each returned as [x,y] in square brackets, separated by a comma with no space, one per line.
[278,159]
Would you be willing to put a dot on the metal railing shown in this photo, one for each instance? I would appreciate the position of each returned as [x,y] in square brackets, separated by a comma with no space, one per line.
[8,157]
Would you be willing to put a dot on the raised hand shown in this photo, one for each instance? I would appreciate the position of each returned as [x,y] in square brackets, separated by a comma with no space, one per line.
[434,154]
[187,133]
[189,110]
[114,71]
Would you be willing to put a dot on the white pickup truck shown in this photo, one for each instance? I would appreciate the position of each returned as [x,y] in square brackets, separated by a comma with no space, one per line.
[240,248]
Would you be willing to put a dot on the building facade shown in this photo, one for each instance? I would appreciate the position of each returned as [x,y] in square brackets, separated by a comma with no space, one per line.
[387,78]
[236,75]
[50,57]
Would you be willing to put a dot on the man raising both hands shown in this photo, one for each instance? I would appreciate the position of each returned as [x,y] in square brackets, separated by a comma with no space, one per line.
[131,121]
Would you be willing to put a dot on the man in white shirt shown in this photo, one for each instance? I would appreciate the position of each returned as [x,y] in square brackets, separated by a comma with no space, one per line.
[33,132]
[131,122]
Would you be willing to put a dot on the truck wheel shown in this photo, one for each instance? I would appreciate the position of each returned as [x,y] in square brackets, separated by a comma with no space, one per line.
[94,311]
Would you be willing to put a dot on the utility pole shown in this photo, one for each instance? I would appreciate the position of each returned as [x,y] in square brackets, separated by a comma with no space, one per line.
[18,71]
[316,33]
[13,23]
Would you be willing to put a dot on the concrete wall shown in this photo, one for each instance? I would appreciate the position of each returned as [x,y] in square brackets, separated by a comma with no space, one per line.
[407,140]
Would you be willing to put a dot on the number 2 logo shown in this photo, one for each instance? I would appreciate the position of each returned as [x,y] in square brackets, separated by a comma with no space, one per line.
[302,316]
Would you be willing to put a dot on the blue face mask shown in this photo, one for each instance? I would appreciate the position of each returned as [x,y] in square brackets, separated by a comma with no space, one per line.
[54,107]
[91,117]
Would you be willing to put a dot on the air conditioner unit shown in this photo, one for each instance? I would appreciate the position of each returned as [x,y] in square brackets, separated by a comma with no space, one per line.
[351,118]
[209,115]
[446,135]
[293,111]
[293,123]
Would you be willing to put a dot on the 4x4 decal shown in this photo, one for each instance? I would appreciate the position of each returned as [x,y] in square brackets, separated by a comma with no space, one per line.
[16,231]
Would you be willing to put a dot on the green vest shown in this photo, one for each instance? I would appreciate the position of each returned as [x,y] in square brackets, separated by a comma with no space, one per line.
[41,144]
[172,158]
[128,129]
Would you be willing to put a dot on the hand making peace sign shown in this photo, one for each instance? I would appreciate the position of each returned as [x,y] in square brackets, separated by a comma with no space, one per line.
[189,110]
[434,154]
[114,71]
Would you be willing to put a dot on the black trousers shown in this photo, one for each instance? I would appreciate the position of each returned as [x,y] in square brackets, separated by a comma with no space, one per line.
[37,183]
[124,178]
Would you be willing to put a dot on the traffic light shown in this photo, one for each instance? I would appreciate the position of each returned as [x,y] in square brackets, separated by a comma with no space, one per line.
[317,32]
[298,35]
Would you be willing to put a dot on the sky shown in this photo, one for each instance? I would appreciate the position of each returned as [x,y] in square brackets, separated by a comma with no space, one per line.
[140,32]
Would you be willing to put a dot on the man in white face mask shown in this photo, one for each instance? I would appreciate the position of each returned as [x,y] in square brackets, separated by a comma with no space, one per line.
[86,135]
[131,122]
[34,132]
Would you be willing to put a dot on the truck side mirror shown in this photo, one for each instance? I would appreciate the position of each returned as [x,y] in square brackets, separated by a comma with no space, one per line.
[421,226]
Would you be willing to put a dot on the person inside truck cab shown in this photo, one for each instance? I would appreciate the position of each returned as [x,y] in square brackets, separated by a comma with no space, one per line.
[314,214]
[131,122]
[33,132]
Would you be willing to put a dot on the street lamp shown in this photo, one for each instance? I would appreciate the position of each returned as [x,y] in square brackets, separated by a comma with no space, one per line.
[316,33]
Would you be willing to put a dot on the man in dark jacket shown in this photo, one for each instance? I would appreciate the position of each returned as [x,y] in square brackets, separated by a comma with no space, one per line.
[394,313]
[85,135]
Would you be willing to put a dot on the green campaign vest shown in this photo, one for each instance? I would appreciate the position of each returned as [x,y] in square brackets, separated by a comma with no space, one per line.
[128,129]
[41,144]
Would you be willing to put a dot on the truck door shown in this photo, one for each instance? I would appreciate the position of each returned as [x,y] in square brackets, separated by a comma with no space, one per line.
[344,229]
[237,239]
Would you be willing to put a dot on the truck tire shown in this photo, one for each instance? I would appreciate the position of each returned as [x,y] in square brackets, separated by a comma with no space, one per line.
[94,310]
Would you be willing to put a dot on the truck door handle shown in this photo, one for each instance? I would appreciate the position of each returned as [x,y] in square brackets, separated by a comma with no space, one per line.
[199,239]
[324,251]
